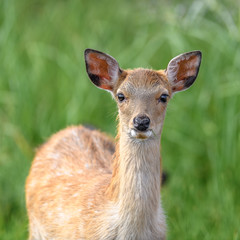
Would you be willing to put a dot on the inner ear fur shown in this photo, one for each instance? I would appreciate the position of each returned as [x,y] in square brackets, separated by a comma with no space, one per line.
[103,70]
[182,70]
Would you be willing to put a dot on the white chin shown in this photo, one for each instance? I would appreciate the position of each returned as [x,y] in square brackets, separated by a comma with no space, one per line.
[141,135]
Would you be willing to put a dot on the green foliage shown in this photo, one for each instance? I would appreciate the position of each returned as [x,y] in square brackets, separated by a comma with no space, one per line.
[44,87]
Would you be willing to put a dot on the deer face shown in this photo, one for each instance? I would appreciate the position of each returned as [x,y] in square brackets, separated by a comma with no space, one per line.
[141,94]
[142,100]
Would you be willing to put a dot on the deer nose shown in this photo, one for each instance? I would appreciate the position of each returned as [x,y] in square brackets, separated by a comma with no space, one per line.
[141,122]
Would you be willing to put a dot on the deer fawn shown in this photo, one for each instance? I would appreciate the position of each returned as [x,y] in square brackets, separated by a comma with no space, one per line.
[79,189]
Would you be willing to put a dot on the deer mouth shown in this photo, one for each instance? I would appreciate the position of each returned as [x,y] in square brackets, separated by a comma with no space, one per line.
[134,133]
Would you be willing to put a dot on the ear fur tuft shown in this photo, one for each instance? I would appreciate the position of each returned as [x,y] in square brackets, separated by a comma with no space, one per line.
[182,70]
[103,70]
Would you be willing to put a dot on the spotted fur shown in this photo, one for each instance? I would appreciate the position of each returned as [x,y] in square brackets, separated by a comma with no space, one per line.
[83,186]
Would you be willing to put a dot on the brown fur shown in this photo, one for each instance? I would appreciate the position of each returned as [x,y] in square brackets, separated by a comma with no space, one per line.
[78,188]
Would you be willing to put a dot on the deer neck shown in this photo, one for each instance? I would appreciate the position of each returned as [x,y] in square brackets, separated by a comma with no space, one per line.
[139,170]
[135,184]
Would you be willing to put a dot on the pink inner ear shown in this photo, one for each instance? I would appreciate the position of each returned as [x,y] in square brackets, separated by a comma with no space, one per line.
[98,66]
[187,67]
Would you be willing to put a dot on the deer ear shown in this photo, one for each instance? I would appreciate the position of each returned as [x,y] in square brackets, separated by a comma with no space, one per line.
[102,69]
[183,70]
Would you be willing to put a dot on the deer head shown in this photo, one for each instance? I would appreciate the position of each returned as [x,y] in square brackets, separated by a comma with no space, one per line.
[142,94]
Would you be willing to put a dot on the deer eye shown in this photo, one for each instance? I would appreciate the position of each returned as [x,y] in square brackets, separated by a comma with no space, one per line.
[121,97]
[163,98]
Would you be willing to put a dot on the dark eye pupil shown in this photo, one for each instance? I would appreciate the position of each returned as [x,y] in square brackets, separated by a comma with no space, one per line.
[121,97]
[163,98]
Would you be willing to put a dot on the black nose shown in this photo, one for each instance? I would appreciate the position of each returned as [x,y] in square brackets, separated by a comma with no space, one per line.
[141,122]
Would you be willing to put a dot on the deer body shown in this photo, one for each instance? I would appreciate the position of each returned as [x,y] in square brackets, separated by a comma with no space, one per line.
[79,189]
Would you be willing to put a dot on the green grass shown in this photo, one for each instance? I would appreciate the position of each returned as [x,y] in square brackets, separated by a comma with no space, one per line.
[44,87]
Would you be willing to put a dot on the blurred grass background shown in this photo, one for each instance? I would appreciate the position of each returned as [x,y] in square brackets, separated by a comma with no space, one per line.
[44,87]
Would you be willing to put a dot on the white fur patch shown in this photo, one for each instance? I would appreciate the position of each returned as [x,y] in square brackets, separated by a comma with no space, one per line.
[136,134]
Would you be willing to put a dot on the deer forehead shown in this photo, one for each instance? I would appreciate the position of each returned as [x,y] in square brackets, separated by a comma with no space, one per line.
[145,82]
